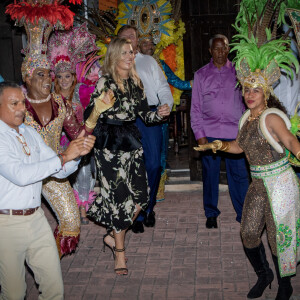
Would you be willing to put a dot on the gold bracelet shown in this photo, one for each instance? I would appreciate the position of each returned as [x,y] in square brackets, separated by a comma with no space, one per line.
[298,155]
[221,145]
[225,146]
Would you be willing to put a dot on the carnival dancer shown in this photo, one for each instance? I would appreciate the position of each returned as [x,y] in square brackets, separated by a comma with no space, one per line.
[67,51]
[273,196]
[118,149]
[47,112]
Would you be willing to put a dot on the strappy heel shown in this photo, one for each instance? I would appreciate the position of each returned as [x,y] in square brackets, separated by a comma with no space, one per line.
[109,233]
[124,271]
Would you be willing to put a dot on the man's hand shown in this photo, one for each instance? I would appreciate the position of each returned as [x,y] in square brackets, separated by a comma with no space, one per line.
[163,111]
[79,147]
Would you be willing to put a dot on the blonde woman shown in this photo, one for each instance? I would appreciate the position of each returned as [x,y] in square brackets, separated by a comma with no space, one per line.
[118,150]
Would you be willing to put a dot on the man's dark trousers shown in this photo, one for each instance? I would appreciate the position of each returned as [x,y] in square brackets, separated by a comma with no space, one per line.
[237,178]
[152,143]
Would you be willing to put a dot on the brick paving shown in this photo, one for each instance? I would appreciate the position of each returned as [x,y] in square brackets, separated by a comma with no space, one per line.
[177,259]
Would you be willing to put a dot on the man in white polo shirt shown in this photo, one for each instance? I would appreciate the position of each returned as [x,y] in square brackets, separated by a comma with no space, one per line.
[25,235]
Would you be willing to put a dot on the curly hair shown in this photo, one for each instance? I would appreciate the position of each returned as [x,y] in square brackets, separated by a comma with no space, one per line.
[273,101]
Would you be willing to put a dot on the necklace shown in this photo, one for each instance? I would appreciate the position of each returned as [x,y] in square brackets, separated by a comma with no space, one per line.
[250,118]
[38,101]
[25,147]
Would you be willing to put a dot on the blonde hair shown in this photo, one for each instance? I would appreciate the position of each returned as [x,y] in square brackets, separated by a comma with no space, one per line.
[57,88]
[112,57]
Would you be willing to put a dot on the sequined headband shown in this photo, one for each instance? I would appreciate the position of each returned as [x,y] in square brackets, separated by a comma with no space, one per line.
[255,80]
[63,64]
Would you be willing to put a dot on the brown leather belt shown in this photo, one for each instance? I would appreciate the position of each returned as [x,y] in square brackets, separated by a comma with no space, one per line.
[19,212]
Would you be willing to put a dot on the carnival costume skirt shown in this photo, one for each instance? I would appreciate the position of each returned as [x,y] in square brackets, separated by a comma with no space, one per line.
[59,194]
[282,186]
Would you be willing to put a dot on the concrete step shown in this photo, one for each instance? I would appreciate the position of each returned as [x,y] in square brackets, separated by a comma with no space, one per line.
[179,181]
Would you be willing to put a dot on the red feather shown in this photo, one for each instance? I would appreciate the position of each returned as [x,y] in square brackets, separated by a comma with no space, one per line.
[75,1]
[55,14]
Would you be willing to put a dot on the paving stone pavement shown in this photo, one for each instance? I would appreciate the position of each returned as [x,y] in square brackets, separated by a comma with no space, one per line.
[178,259]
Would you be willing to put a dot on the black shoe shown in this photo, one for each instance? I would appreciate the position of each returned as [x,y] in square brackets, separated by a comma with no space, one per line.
[137,227]
[149,219]
[211,222]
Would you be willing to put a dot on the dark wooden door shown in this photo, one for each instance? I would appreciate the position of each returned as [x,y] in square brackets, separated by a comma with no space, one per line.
[203,19]
[10,47]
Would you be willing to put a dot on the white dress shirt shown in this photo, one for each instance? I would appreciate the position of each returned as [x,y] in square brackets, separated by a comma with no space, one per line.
[21,175]
[287,91]
[155,83]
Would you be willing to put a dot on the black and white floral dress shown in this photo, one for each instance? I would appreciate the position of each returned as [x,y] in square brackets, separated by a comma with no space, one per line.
[119,155]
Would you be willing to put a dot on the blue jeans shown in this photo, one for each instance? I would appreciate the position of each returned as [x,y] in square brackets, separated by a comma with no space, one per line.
[237,178]
[152,145]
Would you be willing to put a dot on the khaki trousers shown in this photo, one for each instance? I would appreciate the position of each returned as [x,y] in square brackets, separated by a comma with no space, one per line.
[30,239]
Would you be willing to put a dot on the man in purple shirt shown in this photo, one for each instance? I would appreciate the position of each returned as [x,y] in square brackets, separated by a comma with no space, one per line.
[216,108]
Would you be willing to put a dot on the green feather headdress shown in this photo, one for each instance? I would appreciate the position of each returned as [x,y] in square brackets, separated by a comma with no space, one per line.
[256,46]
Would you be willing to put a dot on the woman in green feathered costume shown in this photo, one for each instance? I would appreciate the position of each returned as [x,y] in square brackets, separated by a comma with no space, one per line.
[273,198]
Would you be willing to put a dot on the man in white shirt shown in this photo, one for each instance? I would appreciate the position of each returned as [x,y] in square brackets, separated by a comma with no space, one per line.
[287,90]
[25,235]
[158,93]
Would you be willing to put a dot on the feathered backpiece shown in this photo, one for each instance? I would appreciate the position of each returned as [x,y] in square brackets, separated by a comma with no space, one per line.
[88,71]
[259,55]
[67,48]
[39,17]
[101,23]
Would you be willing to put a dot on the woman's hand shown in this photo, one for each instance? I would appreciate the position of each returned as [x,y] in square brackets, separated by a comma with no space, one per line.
[102,103]
[217,145]
[163,111]
[105,101]
[108,97]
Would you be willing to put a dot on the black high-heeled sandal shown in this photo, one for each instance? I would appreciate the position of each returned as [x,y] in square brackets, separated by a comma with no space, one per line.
[109,233]
[124,270]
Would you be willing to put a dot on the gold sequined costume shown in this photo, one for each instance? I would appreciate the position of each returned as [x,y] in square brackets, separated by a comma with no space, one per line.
[58,192]
[280,188]
[256,210]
